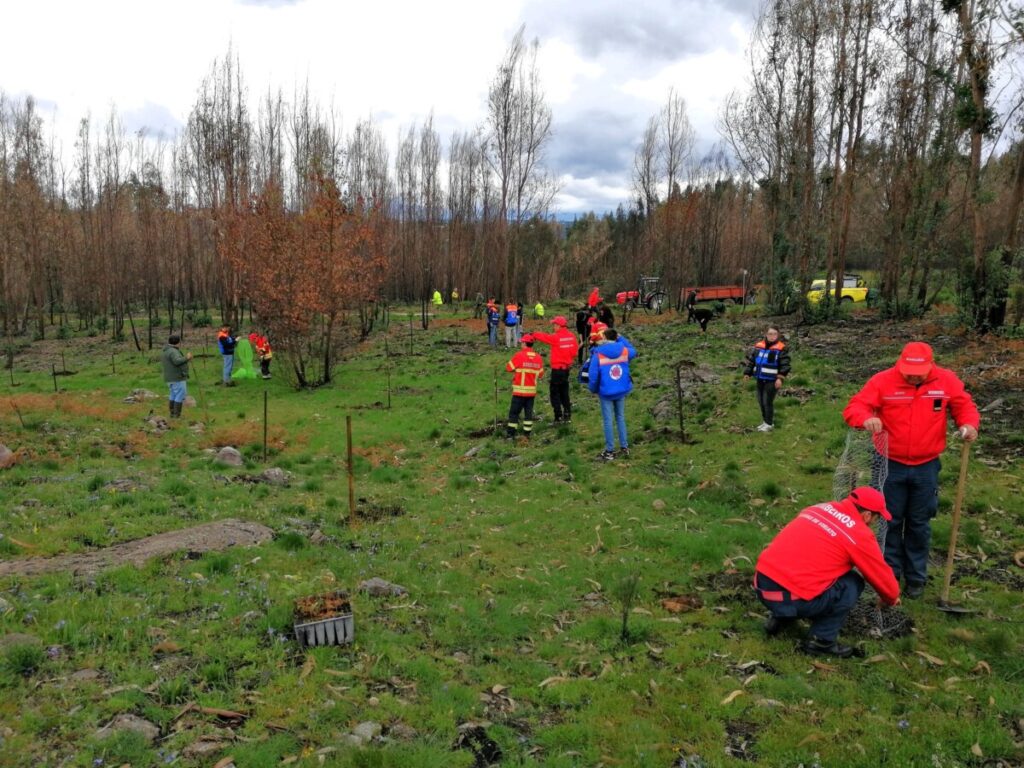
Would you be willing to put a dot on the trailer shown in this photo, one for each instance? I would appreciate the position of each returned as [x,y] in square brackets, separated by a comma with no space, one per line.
[734,293]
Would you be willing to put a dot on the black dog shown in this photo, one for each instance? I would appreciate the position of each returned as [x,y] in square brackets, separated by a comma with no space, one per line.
[700,315]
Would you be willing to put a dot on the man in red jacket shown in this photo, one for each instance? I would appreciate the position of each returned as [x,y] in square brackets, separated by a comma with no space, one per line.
[563,353]
[912,402]
[526,367]
[807,570]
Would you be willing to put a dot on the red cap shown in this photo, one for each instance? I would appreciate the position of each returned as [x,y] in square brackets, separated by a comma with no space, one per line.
[916,359]
[868,498]
[527,339]
[559,320]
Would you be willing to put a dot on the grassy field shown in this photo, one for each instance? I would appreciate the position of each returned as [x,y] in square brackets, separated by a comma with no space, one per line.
[520,561]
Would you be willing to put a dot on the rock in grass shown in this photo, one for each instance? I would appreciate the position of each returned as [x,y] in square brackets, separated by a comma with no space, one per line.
[367,731]
[275,476]
[658,504]
[127,722]
[402,732]
[7,457]
[229,456]
[377,587]
[473,451]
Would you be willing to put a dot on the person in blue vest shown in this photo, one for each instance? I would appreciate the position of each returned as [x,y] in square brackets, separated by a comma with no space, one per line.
[608,376]
[768,363]
[493,319]
[511,320]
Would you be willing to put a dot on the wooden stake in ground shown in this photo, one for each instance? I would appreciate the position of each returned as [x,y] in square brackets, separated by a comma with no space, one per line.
[495,400]
[387,369]
[410,334]
[14,405]
[264,426]
[53,372]
[113,364]
[11,369]
[947,577]
[351,473]
[63,365]
[679,398]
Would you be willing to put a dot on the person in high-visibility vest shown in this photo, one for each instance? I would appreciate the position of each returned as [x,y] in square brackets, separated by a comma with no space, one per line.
[526,367]
[437,300]
[563,353]
[538,310]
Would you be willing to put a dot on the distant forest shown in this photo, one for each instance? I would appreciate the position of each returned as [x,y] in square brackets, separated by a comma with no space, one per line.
[883,135]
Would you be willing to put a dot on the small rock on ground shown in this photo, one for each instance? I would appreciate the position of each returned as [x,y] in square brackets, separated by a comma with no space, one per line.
[377,587]
[127,722]
[7,457]
[367,731]
[229,456]
[275,476]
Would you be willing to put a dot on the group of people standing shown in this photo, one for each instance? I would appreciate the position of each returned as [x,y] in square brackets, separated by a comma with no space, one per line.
[175,363]
[606,373]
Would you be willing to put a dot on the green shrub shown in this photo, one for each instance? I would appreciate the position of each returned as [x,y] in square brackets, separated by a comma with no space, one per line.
[24,658]
[64,332]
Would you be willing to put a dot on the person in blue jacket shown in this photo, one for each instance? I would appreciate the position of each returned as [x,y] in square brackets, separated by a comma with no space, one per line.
[608,376]
[493,319]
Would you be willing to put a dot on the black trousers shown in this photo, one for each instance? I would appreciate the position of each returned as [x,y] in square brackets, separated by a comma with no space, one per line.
[559,386]
[766,399]
[519,405]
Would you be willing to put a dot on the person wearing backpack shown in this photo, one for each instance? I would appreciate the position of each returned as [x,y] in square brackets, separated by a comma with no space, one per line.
[768,362]
[610,380]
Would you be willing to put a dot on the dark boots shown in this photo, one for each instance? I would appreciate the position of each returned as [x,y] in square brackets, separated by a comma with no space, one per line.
[175,409]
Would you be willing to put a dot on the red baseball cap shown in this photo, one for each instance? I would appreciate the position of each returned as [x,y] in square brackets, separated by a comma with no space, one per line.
[868,498]
[527,339]
[916,359]
[559,320]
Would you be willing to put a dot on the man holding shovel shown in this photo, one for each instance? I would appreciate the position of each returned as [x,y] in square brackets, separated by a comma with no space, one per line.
[912,401]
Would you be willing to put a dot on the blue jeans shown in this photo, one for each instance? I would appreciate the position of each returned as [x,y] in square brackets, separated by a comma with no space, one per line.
[827,611]
[614,409]
[912,497]
[229,363]
[178,391]
[492,335]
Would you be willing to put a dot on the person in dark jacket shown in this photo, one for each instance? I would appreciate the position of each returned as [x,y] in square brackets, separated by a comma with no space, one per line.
[227,342]
[175,369]
[608,377]
[768,363]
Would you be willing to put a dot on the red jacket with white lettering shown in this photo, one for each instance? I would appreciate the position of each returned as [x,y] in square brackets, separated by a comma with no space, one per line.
[563,345]
[821,544]
[526,366]
[914,417]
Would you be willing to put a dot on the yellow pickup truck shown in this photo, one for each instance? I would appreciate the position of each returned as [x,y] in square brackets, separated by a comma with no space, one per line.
[854,290]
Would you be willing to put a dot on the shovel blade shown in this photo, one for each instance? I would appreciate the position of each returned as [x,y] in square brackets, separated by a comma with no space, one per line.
[953,608]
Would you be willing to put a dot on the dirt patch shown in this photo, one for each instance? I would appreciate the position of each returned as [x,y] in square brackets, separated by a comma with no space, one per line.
[209,537]
[740,739]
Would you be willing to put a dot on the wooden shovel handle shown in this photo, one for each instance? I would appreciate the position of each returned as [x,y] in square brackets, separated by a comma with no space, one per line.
[961,484]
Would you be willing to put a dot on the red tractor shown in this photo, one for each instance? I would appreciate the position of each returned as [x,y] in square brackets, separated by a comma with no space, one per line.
[648,294]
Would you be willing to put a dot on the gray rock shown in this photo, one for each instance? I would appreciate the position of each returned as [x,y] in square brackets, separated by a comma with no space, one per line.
[139,395]
[403,732]
[229,456]
[85,676]
[275,476]
[127,722]
[658,504]
[203,748]
[7,457]
[367,731]
[317,537]
[4,606]
[190,402]
[377,587]
[352,740]
[473,451]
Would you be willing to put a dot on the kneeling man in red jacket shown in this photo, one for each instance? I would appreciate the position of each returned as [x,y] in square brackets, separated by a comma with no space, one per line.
[807,570]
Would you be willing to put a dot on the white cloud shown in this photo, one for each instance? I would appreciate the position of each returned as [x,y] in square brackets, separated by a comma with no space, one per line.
[397,61]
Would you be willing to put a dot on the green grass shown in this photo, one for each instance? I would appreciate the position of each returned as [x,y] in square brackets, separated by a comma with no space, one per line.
[518,560]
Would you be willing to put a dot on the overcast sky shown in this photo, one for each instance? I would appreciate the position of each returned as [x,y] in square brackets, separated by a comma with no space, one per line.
[606,65]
